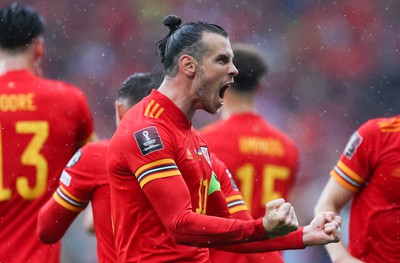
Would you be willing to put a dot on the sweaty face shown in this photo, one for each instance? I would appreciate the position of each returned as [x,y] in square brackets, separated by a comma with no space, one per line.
[215,73]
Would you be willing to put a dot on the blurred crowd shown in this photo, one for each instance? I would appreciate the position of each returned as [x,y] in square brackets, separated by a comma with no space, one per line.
[333,65]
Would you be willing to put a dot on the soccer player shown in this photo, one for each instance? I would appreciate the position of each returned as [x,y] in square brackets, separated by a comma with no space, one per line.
[263,160]
[368,174]
[42,123]
[85,180]
[164,192]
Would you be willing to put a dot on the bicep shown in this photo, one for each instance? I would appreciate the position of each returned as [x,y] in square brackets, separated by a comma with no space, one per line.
[169,197]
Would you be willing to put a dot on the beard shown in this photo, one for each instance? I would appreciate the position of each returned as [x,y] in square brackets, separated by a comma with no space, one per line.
[202,91]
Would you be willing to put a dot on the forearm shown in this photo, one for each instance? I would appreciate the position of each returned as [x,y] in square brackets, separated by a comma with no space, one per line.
[53,221]
[174,207]
[209,231]
[294,240]
[274,257]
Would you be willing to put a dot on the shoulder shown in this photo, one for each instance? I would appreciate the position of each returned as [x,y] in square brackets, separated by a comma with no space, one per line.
[100,145]
[62,87]
[380,125]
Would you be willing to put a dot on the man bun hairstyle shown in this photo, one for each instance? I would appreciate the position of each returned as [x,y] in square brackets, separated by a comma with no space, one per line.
[250,62]
[19,25]
[172,22]
[183,39]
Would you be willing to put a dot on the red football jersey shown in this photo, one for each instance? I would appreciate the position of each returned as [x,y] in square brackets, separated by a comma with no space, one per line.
[370,166]
[263,162]
[236,205]
[85,180]
[42,124]
[155,145]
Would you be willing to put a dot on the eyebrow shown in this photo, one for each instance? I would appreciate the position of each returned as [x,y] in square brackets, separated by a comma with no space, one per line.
[223,57]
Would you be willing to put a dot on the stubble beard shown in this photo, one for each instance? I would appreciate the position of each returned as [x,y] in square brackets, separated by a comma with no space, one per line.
[203,93]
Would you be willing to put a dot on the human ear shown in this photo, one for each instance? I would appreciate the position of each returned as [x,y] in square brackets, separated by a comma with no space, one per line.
[120,109]
[188,64]
[39,47]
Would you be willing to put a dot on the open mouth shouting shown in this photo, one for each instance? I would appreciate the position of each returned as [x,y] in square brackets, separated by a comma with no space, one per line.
[222,91]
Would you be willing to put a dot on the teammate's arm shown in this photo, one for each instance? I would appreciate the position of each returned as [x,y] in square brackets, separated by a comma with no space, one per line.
[71,197]
[333,198]
[53,221]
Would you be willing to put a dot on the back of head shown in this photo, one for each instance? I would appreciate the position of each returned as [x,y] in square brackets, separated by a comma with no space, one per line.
[183,39]
[138,86]
[251,65]
[19,25]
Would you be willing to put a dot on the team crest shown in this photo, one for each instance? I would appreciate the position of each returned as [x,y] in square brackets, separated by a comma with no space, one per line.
[148,140]
[352,145]
[205,153]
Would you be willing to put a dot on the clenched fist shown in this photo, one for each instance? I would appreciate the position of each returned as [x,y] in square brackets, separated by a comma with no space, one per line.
[280,218]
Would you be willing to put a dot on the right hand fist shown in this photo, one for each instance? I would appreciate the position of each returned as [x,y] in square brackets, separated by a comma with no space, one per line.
[280,218]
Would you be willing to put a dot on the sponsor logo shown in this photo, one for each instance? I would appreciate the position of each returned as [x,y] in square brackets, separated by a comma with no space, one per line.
[189,156]
[148,140]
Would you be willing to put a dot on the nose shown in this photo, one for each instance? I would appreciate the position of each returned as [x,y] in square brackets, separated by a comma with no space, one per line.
[233,71]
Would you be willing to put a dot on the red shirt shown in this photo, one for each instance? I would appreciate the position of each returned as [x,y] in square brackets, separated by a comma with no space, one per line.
[263,162]
[155,145]
[85,179]
[238,209]
[370,166]
[42,123]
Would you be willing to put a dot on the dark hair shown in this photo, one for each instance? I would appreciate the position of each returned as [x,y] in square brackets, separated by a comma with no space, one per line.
[19,25]
[182,39]
[251,65]
[138,86]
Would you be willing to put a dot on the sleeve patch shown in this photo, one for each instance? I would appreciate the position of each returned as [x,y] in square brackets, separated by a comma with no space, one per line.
[74,159]
[148,140]
[352,145]
[65,178]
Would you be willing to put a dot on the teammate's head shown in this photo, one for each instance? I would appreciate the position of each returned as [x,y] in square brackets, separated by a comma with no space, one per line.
[251,64]
[183,39]
[133,90]
[19,26]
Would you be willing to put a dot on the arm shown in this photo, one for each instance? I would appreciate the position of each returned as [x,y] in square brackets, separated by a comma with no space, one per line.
[53,221]
[271,254]
[174,208]
[324,229]
[333,198]
[88,220]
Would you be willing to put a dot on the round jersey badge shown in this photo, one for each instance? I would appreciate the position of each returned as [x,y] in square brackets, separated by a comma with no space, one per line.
[74,159]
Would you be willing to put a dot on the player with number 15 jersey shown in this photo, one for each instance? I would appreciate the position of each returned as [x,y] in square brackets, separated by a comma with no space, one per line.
[263,161]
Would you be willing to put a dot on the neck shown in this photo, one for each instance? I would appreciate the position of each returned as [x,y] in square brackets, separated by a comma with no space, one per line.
[235,103]
[10,62]
[179,92]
